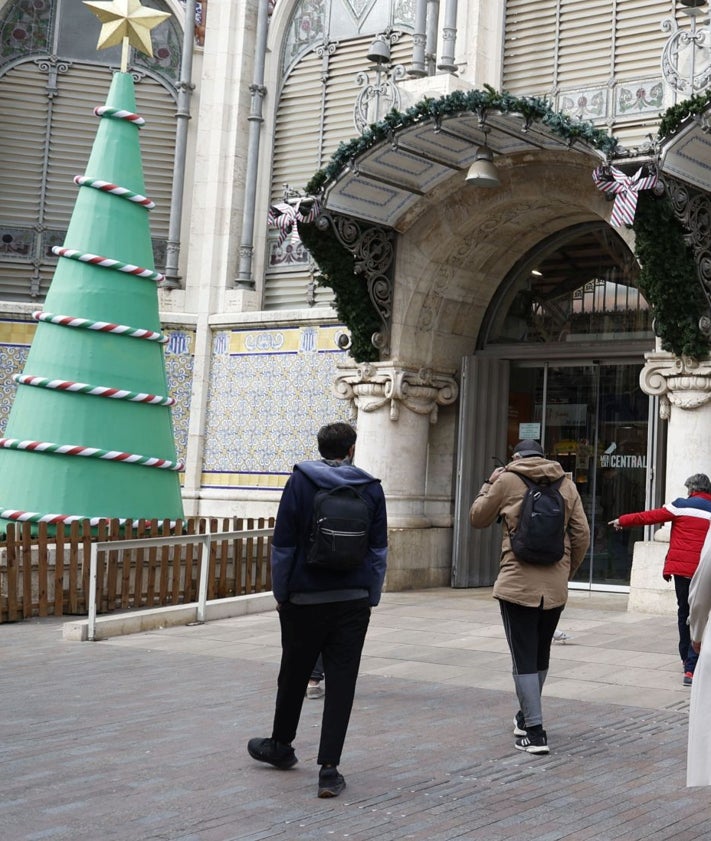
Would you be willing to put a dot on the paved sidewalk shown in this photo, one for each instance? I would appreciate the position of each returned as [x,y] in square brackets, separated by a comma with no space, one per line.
[142,738]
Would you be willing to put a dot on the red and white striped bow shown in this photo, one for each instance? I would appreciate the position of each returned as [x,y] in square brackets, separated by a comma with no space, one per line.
[284,217]
[625,189]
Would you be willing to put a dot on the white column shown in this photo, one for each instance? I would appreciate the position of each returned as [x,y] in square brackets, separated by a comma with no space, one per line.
[396,407]
[684,388]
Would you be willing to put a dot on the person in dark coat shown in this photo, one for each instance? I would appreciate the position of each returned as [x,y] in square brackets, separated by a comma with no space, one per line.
[321,610]
[690,518]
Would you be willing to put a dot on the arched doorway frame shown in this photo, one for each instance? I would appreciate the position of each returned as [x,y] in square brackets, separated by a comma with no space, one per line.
[485,408]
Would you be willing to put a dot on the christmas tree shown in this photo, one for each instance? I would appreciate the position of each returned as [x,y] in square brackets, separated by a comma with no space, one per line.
[90,431]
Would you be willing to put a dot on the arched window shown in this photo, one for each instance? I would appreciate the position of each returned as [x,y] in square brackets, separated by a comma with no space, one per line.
[51,78]
[322,54]
[595,61]
[578,285]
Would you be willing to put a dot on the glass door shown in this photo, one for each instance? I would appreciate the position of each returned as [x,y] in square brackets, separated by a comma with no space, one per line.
[593,419]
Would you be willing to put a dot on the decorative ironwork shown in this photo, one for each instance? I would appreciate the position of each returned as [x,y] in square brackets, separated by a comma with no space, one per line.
[382,95]
[373,248]
[693,210]
[324,51]
[685,58]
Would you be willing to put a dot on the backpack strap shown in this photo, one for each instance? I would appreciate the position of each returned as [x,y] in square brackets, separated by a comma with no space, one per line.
[531,484]
[546,483]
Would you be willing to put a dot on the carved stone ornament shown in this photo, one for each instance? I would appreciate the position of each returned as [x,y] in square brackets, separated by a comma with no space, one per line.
[373,385]
[678,381]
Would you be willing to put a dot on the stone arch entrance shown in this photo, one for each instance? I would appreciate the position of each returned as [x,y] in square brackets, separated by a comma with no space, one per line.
[454,245]
[452,259]
[558,360]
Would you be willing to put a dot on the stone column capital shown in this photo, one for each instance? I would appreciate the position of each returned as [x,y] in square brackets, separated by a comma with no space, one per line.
[373,385]
[677,380]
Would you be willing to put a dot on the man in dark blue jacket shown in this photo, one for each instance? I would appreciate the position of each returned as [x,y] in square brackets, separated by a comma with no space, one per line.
[321,610]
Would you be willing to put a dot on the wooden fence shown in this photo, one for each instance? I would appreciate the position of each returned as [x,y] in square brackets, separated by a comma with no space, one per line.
[45,574]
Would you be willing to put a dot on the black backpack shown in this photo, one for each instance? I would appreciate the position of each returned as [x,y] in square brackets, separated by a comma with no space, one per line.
[340,533]
[539,537]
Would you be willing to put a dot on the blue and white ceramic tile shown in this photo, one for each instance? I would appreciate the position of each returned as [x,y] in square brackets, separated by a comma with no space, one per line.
[265,408]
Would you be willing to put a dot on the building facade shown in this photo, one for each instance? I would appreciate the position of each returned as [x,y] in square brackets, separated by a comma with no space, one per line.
[506,306]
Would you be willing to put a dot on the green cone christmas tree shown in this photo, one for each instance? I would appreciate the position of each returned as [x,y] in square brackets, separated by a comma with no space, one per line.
[90,431]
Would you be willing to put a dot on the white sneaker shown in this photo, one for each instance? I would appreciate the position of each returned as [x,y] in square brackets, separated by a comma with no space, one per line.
[561,636]
[315,690]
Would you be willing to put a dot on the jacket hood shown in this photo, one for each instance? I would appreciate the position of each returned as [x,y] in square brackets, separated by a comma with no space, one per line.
[536,468]
[327,476]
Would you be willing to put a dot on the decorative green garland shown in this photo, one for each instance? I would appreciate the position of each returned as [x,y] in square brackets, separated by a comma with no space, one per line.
[668,277]
[353,303]
[531,108]
[673,117]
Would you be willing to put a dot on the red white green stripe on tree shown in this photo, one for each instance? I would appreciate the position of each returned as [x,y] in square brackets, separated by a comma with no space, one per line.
[115,190]
[94,390]
[100,326]
[90,452]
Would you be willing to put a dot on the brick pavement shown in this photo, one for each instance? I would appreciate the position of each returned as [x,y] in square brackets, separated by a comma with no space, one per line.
[142,738]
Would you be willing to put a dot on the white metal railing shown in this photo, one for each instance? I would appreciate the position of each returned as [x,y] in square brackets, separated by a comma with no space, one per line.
[202,540]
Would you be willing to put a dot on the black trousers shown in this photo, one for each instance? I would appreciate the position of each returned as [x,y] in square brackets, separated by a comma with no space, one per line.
[336,630]
[529,633]
[686,652]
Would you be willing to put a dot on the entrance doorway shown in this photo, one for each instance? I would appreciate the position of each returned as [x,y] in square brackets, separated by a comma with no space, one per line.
[593,418]
[558,360]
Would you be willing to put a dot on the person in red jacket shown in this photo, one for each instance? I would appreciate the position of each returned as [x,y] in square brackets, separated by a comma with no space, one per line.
[690,519]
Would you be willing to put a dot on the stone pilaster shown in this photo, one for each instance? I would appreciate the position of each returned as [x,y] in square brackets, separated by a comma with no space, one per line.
[395,407]
[684,389]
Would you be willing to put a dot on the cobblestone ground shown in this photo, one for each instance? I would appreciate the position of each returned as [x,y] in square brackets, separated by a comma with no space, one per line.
[143,738]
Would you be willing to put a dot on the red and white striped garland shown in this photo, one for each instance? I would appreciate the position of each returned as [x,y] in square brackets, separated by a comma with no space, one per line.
[115,190]
[35,517]
[107,263]
[90,452]
[119,114]
[94,390]
[101,326]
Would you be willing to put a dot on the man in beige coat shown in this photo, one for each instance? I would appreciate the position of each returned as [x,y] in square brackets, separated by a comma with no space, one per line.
[531,596]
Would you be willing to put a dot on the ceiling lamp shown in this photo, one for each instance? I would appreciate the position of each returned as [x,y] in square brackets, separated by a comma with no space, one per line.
[482,172]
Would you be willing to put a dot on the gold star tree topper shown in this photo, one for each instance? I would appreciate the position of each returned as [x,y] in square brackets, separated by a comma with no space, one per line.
[126,22]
